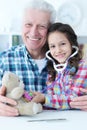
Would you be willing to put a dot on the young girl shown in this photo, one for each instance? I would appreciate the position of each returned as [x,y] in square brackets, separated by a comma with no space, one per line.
[67,72]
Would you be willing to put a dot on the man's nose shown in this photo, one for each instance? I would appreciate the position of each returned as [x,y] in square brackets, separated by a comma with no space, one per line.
[34,31]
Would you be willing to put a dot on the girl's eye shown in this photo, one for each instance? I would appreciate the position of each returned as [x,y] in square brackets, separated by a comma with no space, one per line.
[63,43]
[51,46]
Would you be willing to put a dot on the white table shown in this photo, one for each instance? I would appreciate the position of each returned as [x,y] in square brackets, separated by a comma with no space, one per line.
[75,120]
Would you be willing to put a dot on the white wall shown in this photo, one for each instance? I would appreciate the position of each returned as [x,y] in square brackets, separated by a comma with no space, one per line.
[81,28]
[10,14]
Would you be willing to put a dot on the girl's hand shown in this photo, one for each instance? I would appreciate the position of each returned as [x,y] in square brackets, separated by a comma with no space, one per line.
[38,97]
[81,101]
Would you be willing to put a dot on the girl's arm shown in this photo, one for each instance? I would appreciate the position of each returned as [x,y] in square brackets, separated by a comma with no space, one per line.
[60,99]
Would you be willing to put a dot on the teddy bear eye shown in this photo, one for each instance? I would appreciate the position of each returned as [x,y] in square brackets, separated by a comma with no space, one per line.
[18,80]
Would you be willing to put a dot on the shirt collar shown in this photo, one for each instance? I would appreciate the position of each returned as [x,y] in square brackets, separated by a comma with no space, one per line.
[26,53]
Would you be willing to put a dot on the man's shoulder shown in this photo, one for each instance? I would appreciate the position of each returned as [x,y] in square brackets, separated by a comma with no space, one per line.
[13,51]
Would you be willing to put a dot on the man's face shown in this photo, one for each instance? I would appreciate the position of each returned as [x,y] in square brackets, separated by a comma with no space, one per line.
[35,25]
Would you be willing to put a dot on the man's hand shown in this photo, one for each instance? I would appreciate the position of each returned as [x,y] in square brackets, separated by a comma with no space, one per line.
[3,90]
[6,104]
[80,102]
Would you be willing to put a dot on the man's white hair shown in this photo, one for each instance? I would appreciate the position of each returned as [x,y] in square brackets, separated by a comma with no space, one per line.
[43,6]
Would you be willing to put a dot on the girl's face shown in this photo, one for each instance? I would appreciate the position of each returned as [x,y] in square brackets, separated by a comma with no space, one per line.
[60,47]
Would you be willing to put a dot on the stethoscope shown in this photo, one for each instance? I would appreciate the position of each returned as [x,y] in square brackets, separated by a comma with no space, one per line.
[61,67]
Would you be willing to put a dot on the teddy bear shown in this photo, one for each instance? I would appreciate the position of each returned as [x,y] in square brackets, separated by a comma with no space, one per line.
[15,90]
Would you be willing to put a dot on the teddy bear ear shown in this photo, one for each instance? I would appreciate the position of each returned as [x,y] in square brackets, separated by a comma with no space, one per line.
[7,75]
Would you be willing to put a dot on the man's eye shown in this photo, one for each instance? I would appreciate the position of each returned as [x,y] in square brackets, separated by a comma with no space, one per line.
[28,25]
[42,27]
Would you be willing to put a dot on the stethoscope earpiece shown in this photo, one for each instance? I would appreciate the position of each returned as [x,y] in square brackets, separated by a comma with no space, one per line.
[76,51]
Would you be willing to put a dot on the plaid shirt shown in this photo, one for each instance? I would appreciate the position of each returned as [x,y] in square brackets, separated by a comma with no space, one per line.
[65,87]
[18,61]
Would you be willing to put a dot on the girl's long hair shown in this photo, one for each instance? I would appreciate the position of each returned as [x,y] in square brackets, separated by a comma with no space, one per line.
[72,38]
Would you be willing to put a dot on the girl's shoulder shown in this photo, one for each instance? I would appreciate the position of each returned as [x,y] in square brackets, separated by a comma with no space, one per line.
[83,63]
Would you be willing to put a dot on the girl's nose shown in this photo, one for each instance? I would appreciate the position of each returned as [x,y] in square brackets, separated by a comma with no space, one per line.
[57,50]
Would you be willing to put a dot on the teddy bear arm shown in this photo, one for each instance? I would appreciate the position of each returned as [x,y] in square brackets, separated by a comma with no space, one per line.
[29,108]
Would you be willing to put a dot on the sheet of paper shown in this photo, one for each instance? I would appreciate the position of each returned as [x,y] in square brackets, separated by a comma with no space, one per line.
[44,116]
